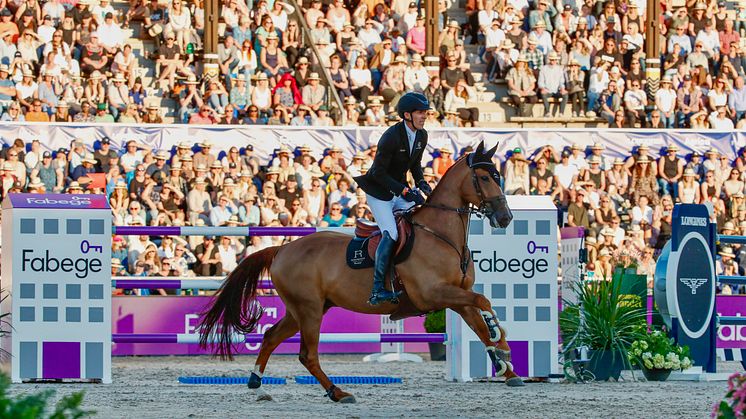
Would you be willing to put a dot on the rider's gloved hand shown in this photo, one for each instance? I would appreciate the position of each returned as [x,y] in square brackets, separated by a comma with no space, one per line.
[413,195]
[424,187]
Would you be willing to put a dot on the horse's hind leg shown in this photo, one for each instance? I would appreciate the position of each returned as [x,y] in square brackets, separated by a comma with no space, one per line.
[477,312]
[285,328]
[310,327]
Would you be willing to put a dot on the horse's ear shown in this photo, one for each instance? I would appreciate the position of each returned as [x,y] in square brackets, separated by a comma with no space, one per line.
[480,149]
[491,152]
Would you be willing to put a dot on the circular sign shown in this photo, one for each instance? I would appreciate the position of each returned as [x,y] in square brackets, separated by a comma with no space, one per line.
[695,285]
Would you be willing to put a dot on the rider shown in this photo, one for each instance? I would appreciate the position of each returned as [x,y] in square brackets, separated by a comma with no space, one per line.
[400,150]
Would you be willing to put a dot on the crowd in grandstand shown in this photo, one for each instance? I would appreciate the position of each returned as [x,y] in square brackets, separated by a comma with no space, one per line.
[70,61]
[624,204]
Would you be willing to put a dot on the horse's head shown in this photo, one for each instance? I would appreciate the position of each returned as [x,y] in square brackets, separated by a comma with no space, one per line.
[485,191]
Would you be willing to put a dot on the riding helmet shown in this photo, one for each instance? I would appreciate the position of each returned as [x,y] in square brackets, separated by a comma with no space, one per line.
[411,102]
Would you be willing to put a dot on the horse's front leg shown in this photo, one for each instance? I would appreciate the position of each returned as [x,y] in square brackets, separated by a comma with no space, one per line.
[477,312]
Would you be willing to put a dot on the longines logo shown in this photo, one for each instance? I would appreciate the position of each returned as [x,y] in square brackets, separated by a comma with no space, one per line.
[693,283]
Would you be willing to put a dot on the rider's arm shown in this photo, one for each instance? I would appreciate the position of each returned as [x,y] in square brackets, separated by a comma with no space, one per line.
[387,146]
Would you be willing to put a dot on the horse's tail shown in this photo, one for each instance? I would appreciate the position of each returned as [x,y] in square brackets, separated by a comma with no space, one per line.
[235,308]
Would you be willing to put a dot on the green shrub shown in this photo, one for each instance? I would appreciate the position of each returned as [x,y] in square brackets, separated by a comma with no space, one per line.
[34,406]
[435,321]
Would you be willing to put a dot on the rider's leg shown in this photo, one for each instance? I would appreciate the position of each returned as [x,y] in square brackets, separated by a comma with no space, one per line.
[383,211]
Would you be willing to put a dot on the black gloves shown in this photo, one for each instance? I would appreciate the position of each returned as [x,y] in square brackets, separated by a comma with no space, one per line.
[412,195]
[425,187]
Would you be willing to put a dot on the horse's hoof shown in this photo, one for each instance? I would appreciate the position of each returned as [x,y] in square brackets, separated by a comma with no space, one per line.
[262,396]
[515,382]
[348,399]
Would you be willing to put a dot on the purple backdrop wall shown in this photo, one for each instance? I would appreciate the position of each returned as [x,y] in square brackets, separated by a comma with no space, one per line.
[179,315]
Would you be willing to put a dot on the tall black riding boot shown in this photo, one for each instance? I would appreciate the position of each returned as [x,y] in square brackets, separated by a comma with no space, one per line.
[383,257]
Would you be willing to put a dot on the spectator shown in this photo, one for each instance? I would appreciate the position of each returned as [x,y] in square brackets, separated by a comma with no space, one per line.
[208,258]
[665,102]
[457,99]
[575,87]
[521,86]
[552,84]
[314,94]
[719,119]
[635,101]
[153,115]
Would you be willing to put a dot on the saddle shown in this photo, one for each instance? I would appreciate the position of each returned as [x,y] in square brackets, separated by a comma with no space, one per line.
[361,254]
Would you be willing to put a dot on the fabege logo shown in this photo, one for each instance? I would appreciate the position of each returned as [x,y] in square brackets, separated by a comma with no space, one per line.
[693,283]
[527,267]
[80,266]
[75,201]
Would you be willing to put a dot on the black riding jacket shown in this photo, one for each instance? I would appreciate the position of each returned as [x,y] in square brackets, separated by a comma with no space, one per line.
[387,176]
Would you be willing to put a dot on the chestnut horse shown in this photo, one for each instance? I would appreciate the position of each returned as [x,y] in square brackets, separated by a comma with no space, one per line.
[311,275]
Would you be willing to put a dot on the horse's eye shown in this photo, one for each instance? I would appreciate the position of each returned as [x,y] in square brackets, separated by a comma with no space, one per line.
[485,178]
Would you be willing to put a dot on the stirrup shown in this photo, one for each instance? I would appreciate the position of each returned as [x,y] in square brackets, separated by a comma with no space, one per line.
[377,298]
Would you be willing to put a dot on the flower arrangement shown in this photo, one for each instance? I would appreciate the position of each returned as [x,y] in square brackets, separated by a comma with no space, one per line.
[656,351]
[734,403]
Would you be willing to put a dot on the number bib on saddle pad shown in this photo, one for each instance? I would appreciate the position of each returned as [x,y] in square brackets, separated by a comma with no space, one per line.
[361,252]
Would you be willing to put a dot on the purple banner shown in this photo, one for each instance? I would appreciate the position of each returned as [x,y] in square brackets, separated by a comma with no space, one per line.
[179,314]
[58,201]
[730,336]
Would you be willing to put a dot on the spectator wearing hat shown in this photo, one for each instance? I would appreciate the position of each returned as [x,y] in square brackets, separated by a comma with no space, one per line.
[240,95]
[392,83]
[416,77]
[542,37]
[49,176]
[577,214]
[575,87]
[190,99]
[110,34]
[169,60]
[104,155]
[26,90]
[505,58]
[443,162]
[314,94]
[81,172]
[544,13]
[160,164]
[117,95]
[552,84]
[102,114]
[665,103]
[152,115]
[521,86]
[415,40]
[644,182]
[517,175]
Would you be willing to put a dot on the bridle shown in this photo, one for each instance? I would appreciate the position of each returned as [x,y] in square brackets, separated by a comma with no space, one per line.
[486,208]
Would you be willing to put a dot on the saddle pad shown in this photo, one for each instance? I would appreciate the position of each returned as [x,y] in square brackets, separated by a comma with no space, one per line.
[361,252]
